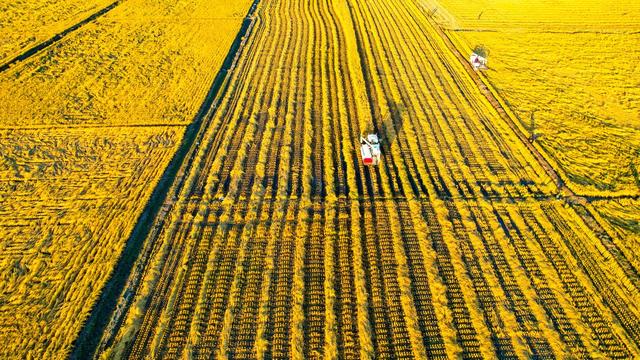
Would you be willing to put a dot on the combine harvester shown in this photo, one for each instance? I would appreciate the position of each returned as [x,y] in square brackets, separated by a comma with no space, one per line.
[370,149]
[478,58]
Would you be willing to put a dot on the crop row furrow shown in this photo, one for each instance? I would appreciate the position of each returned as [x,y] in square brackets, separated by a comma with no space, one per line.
[159,297]
[608,341]
[501,340]
[465,329]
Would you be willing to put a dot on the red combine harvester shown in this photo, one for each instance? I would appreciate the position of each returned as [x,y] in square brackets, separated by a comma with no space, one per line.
[370,149]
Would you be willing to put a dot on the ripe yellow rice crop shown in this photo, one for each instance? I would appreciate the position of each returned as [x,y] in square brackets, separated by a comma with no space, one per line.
[26,23]
[572,65]
[69,200]
[84,139]
[145,62]
[282,244]
[624,217]
[274,239]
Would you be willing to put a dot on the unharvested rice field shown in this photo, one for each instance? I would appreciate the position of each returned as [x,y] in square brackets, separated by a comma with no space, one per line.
[114,70]
[624,217]
[68,200]
[573,66]
[270,238]
[279,243]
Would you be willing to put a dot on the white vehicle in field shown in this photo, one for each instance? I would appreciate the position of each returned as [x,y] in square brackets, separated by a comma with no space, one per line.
[370,149]
[478,62]
[478,58]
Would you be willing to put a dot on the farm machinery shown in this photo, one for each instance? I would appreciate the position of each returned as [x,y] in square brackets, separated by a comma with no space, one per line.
[370,149]
[478,58]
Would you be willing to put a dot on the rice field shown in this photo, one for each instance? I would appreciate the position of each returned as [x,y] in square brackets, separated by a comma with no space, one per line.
[281,244]
[68,202]
[84,143]
[25,23]
[568,71]
[183,179]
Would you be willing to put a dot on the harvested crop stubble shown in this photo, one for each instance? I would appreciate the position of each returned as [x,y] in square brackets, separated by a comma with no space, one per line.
[115,70]
[454,246]
[69,200]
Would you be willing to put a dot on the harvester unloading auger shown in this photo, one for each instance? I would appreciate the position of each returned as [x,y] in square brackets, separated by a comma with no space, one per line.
[370,149]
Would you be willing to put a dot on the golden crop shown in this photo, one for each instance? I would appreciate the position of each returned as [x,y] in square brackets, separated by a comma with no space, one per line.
[274,240]
[69,200]
[572,66]
[84,139]
[624,217]
[26,23]
[281,244]
[116,70]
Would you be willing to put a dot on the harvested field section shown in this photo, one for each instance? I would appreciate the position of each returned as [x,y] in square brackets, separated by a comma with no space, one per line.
[115,70]
[531,296]
[282,244]
[68,203]
[27,23]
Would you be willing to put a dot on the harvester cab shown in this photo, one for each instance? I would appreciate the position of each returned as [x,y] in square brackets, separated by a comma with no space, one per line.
[370,149]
